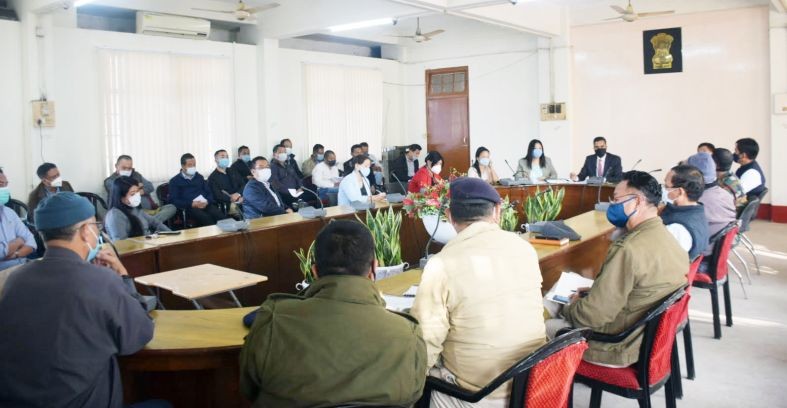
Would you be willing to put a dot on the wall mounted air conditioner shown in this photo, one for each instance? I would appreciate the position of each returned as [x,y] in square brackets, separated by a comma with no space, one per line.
[172,26]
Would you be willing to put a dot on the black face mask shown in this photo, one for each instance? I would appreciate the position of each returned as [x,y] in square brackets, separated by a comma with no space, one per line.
[601,152]
[331,163]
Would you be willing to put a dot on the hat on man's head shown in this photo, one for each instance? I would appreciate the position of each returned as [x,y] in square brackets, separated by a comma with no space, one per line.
[704,162]
[62,210]
[467,188]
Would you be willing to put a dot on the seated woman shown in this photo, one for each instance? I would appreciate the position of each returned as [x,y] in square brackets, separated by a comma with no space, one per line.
[125,217]
[482,168]
[535,166]
[355,186]
[428,175]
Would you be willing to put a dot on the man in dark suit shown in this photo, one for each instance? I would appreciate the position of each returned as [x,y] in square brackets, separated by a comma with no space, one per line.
[406,165]
[600,164]
[260,199]
[51,184]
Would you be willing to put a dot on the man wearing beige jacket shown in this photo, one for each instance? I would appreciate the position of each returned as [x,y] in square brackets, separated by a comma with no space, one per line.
[479,301]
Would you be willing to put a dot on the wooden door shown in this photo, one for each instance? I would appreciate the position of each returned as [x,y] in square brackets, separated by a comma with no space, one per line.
[447,118]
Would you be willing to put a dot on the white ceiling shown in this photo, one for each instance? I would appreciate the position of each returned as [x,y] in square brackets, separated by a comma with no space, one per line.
[594,11]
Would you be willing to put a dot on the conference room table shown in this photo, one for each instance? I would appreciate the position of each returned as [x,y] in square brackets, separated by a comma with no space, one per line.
[193,357]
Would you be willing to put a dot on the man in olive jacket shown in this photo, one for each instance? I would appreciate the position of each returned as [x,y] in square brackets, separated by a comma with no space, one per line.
[335,343]
[642,267]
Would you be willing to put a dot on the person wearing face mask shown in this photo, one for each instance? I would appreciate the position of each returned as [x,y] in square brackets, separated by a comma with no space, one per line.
[643,265]
[750,173]
[535,166]
[261,199]
[600,164]
[339,324]
[355,186]
[225,184]
[429,174]
[124,166]
[317,157]
[125,218]
[189,191]
[325,176]
[406,165]
[241,165]
[16,240]
[290,162]
[51,183]
[716,201]
[727,179]
[67,317]
[479,300]
[682,214]
[482,167]
[284,177]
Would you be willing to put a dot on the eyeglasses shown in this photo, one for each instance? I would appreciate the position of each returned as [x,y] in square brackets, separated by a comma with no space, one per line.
[619,198]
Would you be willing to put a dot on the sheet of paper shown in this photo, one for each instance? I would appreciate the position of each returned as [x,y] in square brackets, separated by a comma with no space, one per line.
[294,192]
[200,198]
[398,303]
[566,286]
[411,291]
[336,179]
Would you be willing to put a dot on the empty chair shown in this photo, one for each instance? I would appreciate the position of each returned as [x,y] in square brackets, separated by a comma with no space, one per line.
[717,275]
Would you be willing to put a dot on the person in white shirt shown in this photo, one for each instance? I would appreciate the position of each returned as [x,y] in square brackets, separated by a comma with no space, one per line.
[355,186]
[751,175]
[325,176]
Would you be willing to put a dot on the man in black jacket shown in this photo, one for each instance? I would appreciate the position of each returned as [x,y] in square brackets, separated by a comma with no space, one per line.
[406,165]
[600,164]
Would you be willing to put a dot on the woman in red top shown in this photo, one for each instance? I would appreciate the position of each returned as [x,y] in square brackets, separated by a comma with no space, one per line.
[428,175]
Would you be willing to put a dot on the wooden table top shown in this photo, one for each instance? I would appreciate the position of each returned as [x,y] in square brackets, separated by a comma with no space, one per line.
[201,280]
[588,225]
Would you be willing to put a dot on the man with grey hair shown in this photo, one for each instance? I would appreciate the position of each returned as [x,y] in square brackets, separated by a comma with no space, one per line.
[719,205]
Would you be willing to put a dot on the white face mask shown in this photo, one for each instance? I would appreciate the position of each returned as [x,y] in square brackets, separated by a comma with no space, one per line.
[282,157]
[288,150]
[125,173]
[484,161]
[665,196]
[262,175]
[364,171]
[436,169]
[135,200]
[191,171]
[58,182]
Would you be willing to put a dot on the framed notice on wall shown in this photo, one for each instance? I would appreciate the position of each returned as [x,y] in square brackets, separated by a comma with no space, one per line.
[662,51]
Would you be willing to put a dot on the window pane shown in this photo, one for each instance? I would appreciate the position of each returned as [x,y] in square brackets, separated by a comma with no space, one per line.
[448,83]
[459,82]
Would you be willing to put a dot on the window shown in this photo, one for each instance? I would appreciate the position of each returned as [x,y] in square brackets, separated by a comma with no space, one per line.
[157,106]
[344,106]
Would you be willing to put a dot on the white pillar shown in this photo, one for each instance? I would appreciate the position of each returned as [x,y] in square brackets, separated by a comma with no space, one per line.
[778,174]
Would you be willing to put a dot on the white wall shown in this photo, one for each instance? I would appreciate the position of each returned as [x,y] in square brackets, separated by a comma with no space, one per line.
[721,96]
[77,145]
[503,89]
[12,158]
[778,42]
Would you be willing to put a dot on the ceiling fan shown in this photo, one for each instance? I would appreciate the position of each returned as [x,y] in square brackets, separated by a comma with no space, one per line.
[418,36]
[628,14]
[242,11]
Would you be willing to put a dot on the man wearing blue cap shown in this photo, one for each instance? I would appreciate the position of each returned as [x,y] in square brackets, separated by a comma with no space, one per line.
[717,202]
[479,301]
[66,317]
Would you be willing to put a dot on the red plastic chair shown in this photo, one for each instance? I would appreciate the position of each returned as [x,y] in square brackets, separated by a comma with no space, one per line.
[717,276]
[542,379]
[656,357]
[685,327]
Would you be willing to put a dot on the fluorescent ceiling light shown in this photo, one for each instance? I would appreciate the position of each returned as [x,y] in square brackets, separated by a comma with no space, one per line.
[361,24]
[80,3]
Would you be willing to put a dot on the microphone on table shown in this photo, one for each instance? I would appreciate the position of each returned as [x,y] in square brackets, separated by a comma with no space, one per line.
[512,181]
[599,205]
[654,171]
[397,198]
[311,212]
[635,164]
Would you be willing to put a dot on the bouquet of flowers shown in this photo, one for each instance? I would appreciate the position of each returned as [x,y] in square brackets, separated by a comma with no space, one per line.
[430,201]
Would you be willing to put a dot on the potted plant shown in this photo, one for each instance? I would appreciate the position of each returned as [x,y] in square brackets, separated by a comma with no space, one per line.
[508,215]
[385,227]
[305,262]
[544,205]
[429,205]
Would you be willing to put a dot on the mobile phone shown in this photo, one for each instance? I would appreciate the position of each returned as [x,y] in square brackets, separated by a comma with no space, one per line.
[168,232]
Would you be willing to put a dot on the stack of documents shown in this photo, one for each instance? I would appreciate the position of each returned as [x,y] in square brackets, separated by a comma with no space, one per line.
[566,286]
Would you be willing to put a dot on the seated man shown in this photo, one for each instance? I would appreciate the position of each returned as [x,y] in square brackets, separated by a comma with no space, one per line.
[406,165]
[751,175]
[225,185]
[683,216]
[717,202]
[643,266]
[291,163]
[600,164]
[318,155]
[326,176]
[16,241]
[124,166]
[479,301]
[189,191]
[335,343]
[67,317]
[727,179]
[261,200]
[284,177]
[241,164]
[348,166]
[51,183]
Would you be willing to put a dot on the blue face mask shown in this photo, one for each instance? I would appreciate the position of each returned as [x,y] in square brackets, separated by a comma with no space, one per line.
[224,163]
[365,171]
[246,158]
[616,213]
[538,153]
[320,157]
[736,157]
[94,251]
[5,195]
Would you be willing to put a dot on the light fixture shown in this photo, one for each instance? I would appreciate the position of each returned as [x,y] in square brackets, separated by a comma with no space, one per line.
[362,24]
[80,3]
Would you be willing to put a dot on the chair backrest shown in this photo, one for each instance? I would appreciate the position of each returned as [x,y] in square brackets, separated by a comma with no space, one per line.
[96,200]
[162,193]
[550,380]
[19,208]
[722,247]
[660,361]
[693,268]
[749,213]
[763,194]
